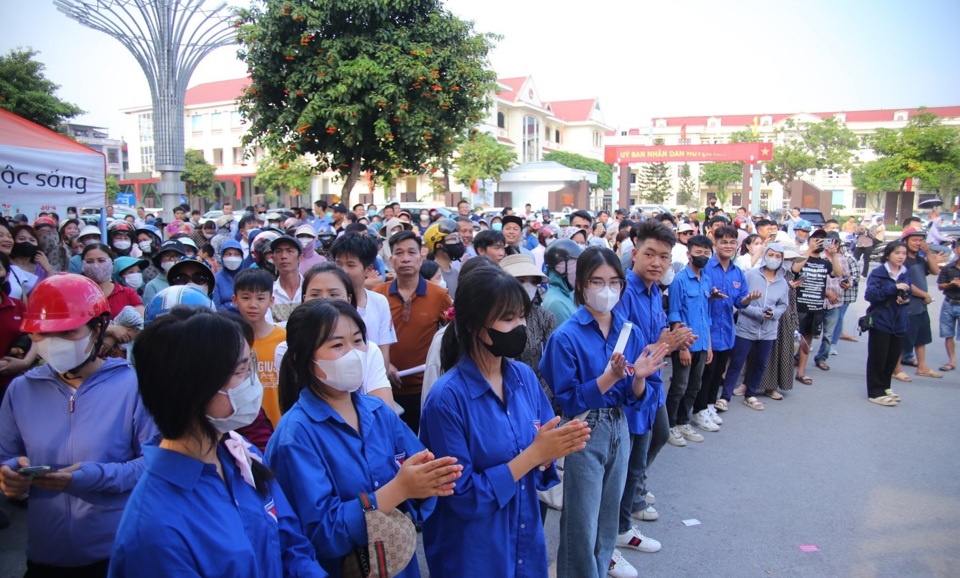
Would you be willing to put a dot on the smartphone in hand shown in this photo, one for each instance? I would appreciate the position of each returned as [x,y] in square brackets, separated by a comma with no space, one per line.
[34,471]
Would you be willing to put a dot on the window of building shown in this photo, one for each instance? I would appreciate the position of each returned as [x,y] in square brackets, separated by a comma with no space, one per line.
[501,120]
[236,120]
[113,156]
[841,117]
[623,133]
[216,122]
[531,139]
[860,201]
[713,122]
[218,157]
[766,120]
[146,158]
[660,123]
[145,125]
[196,123]
[597,139]
[900,115]
[556,136]
[238,156]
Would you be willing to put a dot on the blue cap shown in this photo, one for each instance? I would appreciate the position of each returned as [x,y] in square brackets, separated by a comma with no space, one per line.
[803,225]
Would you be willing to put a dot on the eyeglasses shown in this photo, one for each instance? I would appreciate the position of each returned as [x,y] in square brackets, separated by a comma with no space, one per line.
[198,278]
[597,284]
[685,233]
[247,370]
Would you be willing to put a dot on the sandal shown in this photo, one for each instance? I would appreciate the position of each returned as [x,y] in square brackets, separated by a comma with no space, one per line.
[911,363]
[893,395]
[883,400]
[823,366]
[947,367]
[804,380]
[773,394]
[753,403]
[902,377]
[720,405]
[929,373]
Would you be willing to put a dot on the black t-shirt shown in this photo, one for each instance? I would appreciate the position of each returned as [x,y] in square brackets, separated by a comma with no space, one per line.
[810,295]
[947,274]
[709,212]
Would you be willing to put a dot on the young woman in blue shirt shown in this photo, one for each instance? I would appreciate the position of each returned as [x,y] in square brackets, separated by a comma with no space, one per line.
[491,413]
[590,379]
[338,452]
[206,505]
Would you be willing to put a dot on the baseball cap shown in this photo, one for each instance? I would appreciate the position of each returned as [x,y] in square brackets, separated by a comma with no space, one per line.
[338,208]
[818,234]
[803,225]
[285,239]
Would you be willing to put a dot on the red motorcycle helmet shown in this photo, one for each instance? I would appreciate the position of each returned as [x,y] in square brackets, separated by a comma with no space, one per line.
[63,302]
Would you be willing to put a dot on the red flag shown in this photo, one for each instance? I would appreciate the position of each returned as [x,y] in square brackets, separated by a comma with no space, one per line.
[474,187]
[683,132]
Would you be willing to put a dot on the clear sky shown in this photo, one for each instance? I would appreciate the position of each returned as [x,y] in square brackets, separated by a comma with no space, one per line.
[641,58]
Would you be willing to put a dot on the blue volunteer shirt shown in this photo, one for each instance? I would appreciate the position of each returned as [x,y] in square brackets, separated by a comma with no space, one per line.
[182,520]
[643,307]
[733,284]
[491,524]
[689,304]
[323,465]
[576,354]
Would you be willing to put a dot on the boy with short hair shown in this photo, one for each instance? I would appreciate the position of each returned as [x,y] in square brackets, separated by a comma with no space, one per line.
[253,297]
[356,254]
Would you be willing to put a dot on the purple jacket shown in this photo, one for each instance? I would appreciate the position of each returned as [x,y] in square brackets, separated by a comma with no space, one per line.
[102,425]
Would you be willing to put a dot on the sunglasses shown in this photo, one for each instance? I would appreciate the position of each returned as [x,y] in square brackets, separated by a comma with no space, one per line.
[198,278]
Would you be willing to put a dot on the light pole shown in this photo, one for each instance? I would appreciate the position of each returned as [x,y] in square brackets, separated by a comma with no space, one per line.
[168,38]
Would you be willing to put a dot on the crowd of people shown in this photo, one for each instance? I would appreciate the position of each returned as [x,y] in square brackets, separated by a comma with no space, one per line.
[299,391]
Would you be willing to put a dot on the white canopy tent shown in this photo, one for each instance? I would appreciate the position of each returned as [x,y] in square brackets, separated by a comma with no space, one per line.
[42,170]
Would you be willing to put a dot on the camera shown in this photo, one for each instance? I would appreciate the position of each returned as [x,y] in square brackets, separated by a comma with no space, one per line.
[903,294]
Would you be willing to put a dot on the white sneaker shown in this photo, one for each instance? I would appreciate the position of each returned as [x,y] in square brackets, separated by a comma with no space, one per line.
[650,499]
[675,438]
[648,514]
[632,538]
[714,416]
[833,351]
[689,433]
[702,420]
[619,567]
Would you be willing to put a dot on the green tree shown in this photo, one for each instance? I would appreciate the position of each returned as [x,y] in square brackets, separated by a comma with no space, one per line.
[654,182]
[575,161]
[113,187]
[27,92]
[480,158]
[924,149]
[687,194]
[365,85]
[801,147]
[198,174]
[721,175]
[875,178]
[276,175]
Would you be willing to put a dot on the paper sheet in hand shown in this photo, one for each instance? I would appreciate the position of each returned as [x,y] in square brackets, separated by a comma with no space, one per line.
[411,371]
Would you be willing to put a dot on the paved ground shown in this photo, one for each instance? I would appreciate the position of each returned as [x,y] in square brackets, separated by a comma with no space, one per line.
[876,489]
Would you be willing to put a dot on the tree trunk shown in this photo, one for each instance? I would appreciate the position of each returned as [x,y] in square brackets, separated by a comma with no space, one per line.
[352,177]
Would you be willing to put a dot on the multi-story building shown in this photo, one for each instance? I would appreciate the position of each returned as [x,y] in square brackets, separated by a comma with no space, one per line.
[97,138]
[213,125]
[716,129]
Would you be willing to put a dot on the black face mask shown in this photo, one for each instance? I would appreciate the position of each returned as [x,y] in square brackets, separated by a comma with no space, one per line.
[818,250]
[28,250]
[326,242]
[700,261]
[507,344]
[454,250]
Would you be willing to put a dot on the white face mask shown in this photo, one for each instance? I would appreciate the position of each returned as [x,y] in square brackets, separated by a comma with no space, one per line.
[146,246]
[121,244]
[166,266]
[603,300]
[62,355]
[232,263]
[201,288]
[245,399]
[442,283]
[531,290]
[344,374]
[772,263]
[668,276]
[304,242]
[133,280]
[208,235]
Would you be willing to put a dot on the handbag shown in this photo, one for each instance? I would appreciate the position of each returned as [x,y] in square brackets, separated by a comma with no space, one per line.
[865,323]
[392,543]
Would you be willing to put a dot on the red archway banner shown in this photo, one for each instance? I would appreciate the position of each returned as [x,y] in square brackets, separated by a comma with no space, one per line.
[713,153]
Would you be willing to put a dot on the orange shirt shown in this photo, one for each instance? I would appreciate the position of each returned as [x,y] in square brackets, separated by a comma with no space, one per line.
[416,323]
[269,373]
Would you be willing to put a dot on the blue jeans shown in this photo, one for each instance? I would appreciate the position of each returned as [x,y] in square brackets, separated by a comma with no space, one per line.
[741,350]
[830,317]
[835,338]
[643,450]
[593,482]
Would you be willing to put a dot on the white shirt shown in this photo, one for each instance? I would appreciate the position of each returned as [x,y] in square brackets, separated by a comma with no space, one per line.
[280,296]
[374,371]
[376,316]
[21,282]
[678,256]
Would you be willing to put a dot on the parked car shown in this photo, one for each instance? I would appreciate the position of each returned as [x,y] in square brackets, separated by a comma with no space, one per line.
[91,215]
[651,210]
